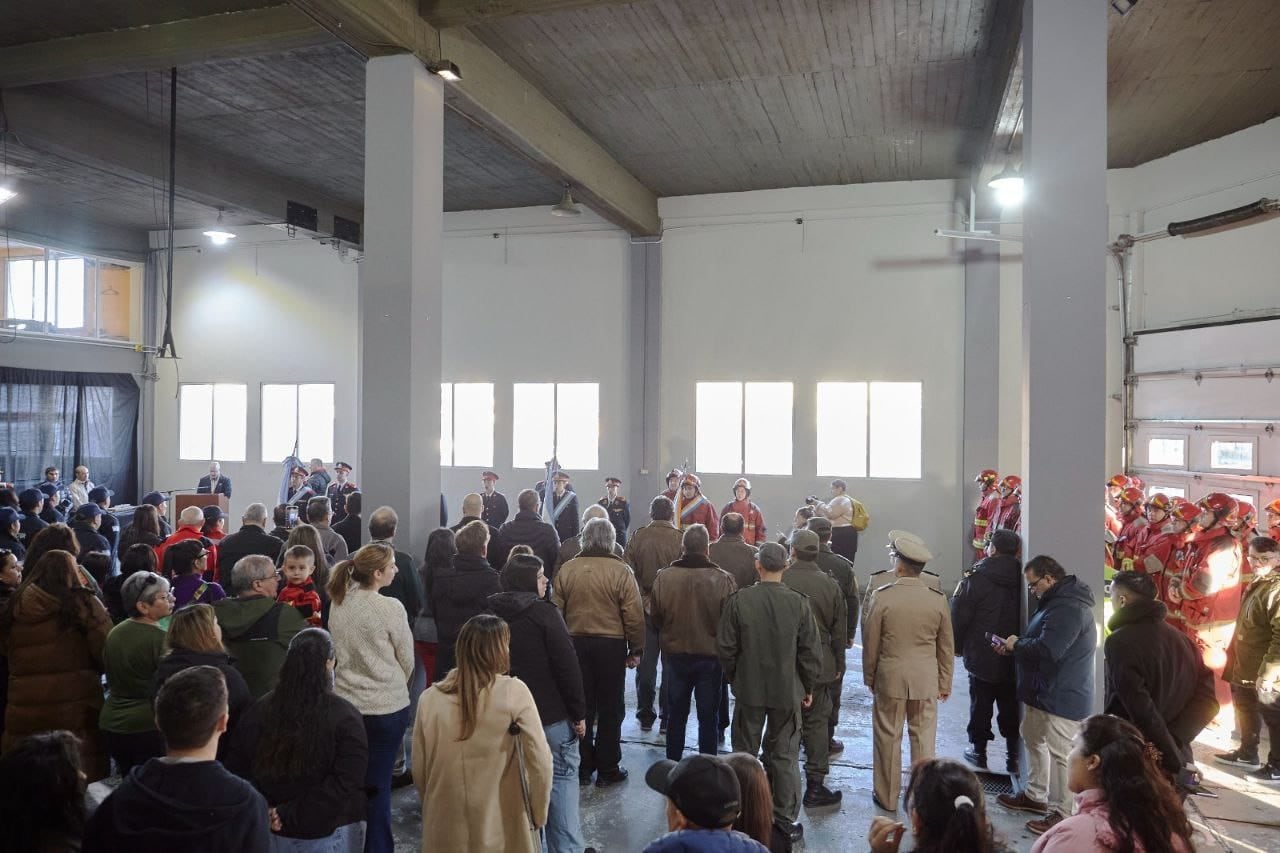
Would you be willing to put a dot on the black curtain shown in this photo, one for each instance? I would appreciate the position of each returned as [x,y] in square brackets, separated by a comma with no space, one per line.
[50,417]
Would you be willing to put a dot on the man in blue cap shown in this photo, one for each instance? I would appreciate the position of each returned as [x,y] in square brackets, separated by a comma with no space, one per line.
[110,526]
[51,514]
[85,524]
[10,532]
[161,503]
[30,502]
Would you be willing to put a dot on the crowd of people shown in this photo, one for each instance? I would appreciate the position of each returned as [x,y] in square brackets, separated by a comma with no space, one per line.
[269,688]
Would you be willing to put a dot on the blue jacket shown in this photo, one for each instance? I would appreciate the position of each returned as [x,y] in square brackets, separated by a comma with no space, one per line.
[706,841]
[1055,655]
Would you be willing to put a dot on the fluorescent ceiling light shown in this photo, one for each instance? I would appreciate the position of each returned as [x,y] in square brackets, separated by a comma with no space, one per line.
[6,194]
[1009,187]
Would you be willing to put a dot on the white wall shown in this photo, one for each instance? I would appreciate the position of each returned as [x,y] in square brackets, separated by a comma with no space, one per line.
[862,290]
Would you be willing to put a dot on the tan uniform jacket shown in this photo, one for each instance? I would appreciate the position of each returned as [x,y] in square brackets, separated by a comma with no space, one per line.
[652,548]
[598,597]
[886,577]
[907,646]
[735,556]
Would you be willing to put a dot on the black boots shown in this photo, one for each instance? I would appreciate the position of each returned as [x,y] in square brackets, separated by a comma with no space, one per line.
[976,755]
[817,795]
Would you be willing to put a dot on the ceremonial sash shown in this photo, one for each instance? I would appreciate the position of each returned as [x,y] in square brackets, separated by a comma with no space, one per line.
[557,508]
[685,512]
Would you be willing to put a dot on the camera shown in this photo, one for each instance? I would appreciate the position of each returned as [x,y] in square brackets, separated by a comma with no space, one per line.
[811,500]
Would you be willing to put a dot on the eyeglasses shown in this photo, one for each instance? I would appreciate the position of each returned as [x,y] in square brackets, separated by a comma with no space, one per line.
[1031,585]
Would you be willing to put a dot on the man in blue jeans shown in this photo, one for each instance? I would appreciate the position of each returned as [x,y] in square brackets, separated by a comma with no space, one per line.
[685,607]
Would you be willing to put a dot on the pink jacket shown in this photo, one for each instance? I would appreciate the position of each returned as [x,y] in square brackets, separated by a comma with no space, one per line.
[1088,830]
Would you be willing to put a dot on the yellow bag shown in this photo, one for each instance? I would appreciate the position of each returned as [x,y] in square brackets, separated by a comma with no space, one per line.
[860,517]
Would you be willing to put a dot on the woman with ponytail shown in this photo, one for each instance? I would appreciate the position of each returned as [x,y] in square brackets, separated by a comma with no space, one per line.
[947,811]
[1124,801]
[374,667]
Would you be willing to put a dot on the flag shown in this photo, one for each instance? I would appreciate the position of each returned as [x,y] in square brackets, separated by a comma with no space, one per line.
[679,499]
[548,491]
[292,461]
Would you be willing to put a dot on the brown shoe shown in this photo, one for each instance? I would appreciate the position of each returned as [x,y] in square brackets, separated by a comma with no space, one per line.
[1022,803]
[1040,827]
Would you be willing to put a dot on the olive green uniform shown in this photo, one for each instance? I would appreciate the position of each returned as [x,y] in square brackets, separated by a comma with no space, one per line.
[841,571]
[827,602]
[768,647]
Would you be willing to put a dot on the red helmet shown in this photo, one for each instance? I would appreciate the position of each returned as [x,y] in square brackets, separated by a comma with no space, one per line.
[1131,496]
[1273,507]
[987,477]
[744,482]
[1248,515]
[1185,511]
[1118,481]
[1159,501]
[1223,507]
[1013,483]
[1138,483]
[693,480]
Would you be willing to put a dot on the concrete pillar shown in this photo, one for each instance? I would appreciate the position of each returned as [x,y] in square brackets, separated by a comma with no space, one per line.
[1064,388]
[981,424]
[644,448]
[400,286]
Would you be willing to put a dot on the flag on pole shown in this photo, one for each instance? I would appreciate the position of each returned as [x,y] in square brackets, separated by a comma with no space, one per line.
[292,461]
[548,490]
[679,501]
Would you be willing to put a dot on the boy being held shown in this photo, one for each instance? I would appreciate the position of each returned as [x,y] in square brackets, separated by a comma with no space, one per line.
[300,590]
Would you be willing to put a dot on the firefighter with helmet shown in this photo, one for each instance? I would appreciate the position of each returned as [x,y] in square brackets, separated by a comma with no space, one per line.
[988,502]
[1129,507]
[1243,530]
[1208,589]
[673,484]
[753,519]
[692,507]
[1273,519]
[1009,511]
[1173,554]
[1156,512]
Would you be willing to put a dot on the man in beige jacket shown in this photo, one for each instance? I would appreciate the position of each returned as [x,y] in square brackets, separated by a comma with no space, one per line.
[652,548]
[907,657]
[598,596]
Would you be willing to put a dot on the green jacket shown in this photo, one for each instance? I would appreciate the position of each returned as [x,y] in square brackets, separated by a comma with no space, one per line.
[1254,654]
[768,646]
[131,656]
[841,571]
[257,631]
[829,613]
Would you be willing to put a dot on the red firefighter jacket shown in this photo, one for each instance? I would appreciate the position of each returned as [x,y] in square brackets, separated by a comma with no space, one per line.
[753,532]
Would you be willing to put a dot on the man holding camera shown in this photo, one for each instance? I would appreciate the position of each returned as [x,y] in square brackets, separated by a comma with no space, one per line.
[847,516]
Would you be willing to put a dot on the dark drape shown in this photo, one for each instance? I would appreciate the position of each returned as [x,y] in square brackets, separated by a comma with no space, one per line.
[50,417]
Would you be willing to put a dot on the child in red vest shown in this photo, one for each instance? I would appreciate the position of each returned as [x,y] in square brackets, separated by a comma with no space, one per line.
[300,590]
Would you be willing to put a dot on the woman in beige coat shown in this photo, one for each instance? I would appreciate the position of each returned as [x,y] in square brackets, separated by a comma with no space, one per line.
[479,719]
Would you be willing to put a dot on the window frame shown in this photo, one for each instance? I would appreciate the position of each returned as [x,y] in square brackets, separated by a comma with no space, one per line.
[555,421]
[1168,436]
[742,384]
[90,297]
[453,424]
[1227,438]
[262,420]
[213,421]
[867,444]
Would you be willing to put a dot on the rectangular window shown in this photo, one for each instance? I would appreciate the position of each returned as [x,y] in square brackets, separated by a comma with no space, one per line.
[842,429]
[1167,491]
[743,427]
[560,419]
[466,424]
[1167,452]
[301,414]
[1252,500]
[894,433]
[1232,455]
[212,421]
[51,292]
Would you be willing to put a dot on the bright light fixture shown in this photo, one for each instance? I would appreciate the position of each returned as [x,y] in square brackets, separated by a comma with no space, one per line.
[216,235]
[567,206]
[447,70]
[1008,186]
[6,194]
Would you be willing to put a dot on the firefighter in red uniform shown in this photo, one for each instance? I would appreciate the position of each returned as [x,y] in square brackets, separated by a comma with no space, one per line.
[753,530]
[1174,553]
[1156,512]
[1009,511]
[1273,519]
[1115,486]
[987,505]
[1243,530]
[1208,590]
[673,484]
[1155,550]
[693,508]
[1132,521]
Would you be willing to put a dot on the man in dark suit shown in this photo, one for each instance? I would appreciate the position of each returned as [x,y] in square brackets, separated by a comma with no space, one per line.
[251,538]
[214,483]
[350,527]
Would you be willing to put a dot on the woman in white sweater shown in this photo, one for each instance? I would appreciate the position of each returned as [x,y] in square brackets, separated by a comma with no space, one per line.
[375,664]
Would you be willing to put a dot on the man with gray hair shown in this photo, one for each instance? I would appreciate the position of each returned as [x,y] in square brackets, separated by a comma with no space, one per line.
[319,513]
[685,606]
[572,546]
[251,538]
[256,628]
[768,647]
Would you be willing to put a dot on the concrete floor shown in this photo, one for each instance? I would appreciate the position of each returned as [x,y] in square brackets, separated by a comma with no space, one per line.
[626,817]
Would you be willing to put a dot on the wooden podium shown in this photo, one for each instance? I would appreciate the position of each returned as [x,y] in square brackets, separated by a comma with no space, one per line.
[181,502]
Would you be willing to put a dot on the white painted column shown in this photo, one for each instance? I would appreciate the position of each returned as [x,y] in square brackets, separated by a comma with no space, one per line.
[981,423]
[400,303]
[1064,389]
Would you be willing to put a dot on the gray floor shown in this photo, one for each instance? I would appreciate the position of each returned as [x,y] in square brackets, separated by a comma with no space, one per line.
[627,817]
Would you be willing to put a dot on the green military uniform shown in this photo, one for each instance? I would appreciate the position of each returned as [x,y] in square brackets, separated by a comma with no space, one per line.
[768,646]
[829,613]
[841,571]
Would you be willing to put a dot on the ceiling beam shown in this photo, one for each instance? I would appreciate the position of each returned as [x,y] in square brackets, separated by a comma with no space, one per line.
[493,95]
[95,137]
[231,35]
[467,13]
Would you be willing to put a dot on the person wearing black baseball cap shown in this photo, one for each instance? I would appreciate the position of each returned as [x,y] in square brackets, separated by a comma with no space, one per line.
[703,800]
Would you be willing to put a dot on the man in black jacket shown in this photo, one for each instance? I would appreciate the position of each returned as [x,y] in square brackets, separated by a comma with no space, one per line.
[987,603]
[528,529]
[1155,676]
[544,658]
[349,525]
[85,525]
[462,590]
[185,801]
[251,538]
[473,510]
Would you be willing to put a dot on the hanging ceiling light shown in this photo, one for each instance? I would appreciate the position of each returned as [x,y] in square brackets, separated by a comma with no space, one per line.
[446,70]
[567,206]
[1008,186]
[6,194]
[217,236]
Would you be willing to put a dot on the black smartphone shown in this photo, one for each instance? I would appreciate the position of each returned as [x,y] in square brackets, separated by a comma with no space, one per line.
[291,517]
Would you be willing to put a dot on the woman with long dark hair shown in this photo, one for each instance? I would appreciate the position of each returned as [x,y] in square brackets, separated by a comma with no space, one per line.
[53,632]
[480,759]
[304,748]
[55,537]
[755,817]
[42,794]
[948,814]
[138,558]
[194,638]
[1124,801]
[426,636]
[144,530]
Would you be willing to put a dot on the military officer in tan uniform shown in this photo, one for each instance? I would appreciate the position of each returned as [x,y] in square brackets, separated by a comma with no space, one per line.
[907,658]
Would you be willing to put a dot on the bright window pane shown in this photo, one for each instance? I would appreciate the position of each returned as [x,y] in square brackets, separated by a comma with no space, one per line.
[718,428]
[446,423]
[1235,455]
[842,429]
[279,421]
[230,421]
[1167,451]
[1249,499]
[20,290]
[1167,491]
[70,292]
[195,422]
[533,424]
[767,421]
[315,421]
[578,425]
[895,429]
[472,404]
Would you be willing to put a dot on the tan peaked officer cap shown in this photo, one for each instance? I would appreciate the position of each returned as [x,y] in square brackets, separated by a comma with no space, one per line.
[910,546]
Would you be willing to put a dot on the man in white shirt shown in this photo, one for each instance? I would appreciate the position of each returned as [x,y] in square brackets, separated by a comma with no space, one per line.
[847,516]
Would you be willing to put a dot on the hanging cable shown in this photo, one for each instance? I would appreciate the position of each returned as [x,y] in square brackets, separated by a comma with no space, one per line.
[167,349]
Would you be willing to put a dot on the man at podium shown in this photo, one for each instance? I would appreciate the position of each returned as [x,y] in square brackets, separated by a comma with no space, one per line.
[214,483]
